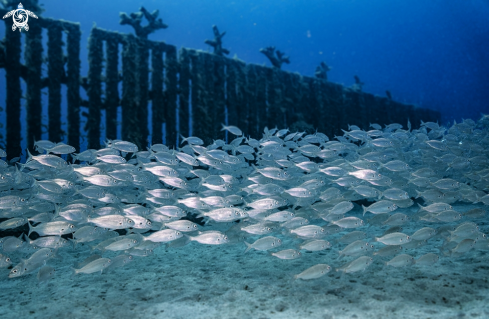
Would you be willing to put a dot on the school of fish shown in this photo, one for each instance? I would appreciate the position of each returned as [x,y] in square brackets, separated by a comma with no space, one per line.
[353,197]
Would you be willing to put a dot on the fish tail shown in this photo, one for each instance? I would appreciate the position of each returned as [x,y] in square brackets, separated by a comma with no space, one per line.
[188,239]
[29,156]
[74,242]
[255,170]
[364,209]
[57,209]
[223,127]
[21,166]
[31,229]
[74,272]
[248,247]
[183,139]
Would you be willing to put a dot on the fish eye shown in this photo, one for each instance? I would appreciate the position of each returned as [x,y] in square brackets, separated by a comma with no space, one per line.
[7,260]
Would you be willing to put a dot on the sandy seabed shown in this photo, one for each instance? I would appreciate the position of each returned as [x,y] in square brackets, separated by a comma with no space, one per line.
[197,281]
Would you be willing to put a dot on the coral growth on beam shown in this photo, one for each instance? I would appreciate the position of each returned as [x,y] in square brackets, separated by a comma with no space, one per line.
[134,20]
[321,71]
[357,87]
[217,42]
[276,60]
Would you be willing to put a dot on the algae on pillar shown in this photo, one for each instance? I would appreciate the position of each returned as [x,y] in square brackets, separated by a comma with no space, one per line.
[130,91]
[171,111]
[142,101]
[157,98]
[184,94]
[73,82]
[14,92]
[94,92]
[111,87]
[55,75]
[33,60]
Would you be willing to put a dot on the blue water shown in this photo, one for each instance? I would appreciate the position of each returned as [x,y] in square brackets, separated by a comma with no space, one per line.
[430,53]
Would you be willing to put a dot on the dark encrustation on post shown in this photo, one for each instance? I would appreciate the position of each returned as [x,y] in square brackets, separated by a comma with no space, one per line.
[135,99]
[322,71]
[217,42]
[276,60]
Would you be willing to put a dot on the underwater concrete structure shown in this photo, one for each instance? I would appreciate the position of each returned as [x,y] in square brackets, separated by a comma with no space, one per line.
[193,88]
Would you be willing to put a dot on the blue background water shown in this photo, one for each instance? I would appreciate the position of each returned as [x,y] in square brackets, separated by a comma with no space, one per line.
[430,53]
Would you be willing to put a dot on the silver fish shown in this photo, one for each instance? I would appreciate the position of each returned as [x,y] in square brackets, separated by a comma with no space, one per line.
[52,228]
[423,233]
[264,243]
[94,266]
[287,254]
[309,231]
[112,221]
[355,248]
[314,272]
[46,273]
[163,236]
[394,239]
[388,250]
[349,222]
[210,238]
[380,207]
[315,245]
[401,261]
[427,259]
[361,263]
[182,225]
